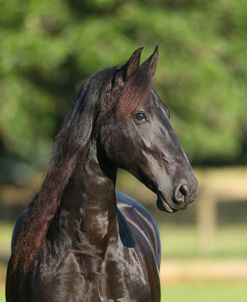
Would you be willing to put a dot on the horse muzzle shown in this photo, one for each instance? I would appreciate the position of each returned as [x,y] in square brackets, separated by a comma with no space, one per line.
[182,196]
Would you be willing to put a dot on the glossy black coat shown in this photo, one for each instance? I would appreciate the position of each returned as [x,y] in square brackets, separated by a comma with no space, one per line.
[79,241]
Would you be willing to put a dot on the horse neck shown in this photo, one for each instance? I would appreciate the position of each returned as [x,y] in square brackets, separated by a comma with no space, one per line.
[89,200]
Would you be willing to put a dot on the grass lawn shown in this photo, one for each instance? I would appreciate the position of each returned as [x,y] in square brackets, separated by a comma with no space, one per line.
[5,238]
[205,292]
[181,242]
[2,295]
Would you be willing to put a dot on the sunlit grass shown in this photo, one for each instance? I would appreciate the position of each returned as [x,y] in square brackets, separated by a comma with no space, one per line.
[2,294]
[6,230]
[205,292]
[5,239]
[183,242]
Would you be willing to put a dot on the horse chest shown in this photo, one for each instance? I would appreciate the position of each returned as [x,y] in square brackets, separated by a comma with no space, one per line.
[118,278]
[122,277]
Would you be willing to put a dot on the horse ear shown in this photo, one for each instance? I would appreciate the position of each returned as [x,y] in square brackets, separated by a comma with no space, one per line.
[132,64]
[150,64]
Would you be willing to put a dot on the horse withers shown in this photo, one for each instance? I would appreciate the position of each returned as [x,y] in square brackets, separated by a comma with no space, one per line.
[79,240]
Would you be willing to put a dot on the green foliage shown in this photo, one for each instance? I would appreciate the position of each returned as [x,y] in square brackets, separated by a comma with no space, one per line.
[49,47]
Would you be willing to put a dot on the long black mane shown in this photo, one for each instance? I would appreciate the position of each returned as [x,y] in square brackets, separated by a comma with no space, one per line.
[70,141]
[79,240]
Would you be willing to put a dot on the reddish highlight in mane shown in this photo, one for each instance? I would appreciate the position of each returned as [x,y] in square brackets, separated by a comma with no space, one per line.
[42,209]
[135,93]
[70,141]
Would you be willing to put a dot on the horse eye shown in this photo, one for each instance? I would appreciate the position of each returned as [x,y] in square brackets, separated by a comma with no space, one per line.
[140,116]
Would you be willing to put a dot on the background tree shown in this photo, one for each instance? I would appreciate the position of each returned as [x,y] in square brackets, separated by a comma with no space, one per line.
[49,47]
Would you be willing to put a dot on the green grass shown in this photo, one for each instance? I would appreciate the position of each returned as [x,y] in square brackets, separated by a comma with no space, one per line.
[5,238]
[2,295]
[205,292]
[181,242]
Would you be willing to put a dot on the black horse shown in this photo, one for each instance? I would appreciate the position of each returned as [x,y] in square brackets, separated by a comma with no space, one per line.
[78,240]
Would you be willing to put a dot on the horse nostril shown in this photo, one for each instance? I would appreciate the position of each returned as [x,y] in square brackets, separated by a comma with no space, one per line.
[180,193]
[184,190]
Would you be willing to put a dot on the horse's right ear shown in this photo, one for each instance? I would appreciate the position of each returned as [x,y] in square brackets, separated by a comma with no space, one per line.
[132,64]
[150,64]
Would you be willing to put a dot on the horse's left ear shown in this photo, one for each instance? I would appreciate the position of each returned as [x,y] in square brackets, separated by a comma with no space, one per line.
[132,64]
[150,64]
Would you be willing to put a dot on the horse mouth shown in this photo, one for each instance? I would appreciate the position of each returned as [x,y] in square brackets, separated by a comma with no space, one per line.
[162,204]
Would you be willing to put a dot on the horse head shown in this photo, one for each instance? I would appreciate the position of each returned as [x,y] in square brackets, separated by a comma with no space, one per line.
[136,135]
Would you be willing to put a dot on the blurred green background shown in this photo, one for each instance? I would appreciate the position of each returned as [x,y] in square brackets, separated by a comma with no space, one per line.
[49,47]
